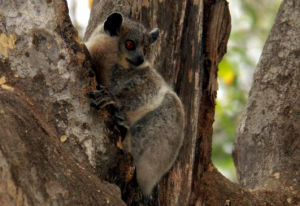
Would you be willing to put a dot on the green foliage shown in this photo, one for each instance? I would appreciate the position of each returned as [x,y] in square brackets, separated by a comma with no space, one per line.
[251,23]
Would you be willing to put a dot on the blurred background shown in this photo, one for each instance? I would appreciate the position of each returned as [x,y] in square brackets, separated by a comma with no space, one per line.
[251,24]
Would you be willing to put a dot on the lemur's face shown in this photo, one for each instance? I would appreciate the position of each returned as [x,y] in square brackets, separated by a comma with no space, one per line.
[134,39]
[134,42]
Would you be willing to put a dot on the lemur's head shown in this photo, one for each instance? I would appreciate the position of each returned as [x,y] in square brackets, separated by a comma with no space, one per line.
[134,39]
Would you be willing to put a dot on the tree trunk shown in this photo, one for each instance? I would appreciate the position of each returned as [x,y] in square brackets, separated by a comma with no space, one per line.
[48,133]
[267,151]
[52,143]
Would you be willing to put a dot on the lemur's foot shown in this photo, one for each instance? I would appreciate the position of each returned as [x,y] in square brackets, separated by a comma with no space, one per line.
[101,98]
[122,122]
[121,119]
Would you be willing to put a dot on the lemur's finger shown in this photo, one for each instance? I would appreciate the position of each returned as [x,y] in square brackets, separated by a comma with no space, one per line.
[105,104]
[102,103]
[96,94]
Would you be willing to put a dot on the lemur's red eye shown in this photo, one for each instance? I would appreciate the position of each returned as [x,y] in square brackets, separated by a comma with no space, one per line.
[130,45]
[145,50]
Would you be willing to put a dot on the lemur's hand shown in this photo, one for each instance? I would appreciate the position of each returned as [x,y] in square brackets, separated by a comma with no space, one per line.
[101,98]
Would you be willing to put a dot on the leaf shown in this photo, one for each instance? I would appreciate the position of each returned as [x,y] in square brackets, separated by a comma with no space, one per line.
[226,72]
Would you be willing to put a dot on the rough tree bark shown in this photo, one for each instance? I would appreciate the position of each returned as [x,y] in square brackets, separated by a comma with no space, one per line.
[52,144]
[267,147]
[48,133]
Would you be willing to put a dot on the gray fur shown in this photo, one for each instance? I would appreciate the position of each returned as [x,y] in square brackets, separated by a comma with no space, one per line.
[155,141]
[155,114]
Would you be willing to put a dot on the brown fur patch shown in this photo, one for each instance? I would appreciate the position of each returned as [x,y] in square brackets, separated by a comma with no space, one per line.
[104,52]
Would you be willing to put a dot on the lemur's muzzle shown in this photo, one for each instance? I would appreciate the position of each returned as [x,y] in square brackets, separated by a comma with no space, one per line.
[137,61]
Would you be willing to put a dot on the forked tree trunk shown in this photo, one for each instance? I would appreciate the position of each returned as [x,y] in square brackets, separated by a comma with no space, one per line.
[52,144]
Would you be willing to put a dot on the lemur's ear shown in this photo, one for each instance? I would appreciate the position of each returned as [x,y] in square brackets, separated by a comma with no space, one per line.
[154,35]
[113,23]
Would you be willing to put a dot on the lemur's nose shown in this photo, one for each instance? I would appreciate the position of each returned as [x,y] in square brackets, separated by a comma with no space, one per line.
[139,60]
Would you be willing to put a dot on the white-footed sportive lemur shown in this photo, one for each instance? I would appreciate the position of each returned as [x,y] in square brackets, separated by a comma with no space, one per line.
[154,114]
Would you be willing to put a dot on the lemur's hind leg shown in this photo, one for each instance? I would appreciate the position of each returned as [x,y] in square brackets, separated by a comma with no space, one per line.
[121,119]
[155,140]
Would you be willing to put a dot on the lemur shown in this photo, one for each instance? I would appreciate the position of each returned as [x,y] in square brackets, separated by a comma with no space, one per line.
[154,114]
